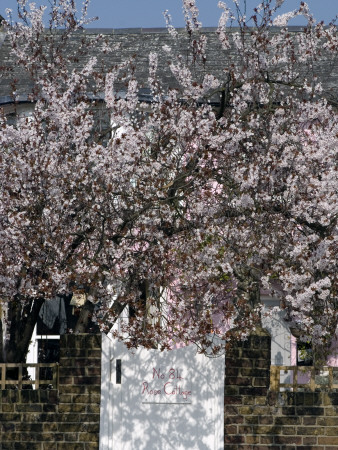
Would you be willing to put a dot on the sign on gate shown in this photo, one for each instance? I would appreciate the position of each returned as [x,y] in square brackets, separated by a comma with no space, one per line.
[152,400]
[163,385]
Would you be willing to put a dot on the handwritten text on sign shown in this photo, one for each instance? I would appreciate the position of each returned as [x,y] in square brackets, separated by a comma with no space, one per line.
[166,386]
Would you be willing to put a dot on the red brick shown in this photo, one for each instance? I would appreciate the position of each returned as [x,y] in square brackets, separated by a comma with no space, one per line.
[328,421]
[262,382]
[331,431]
[228,420]
[266,420]
[253,420]
[251,439]
[87,380]
[288,420]
[289,431]
[238,381]
[234,439]
[245,429]
[309,440]
[310,431]
[266,439]
[310,420]
[288,440]
[233,362]
[328,440]
[228,411]
[230,429]
[264,447]
[233,400]
[237,447]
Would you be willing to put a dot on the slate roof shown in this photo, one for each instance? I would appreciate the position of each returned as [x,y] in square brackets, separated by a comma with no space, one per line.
[138,43]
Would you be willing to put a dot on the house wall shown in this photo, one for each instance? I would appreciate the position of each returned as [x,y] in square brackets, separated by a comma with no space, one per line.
[255,418]
[281,337]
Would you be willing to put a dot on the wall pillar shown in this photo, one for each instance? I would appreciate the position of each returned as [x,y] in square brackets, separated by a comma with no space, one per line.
[247,379]
[79,391]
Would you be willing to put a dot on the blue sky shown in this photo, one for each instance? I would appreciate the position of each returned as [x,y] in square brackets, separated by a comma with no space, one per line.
[149,13]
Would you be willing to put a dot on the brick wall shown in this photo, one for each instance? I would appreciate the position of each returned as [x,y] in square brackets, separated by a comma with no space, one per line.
[256,419]
[67,418]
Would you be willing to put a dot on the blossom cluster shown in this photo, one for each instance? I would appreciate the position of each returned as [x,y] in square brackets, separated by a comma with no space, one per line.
[176,209]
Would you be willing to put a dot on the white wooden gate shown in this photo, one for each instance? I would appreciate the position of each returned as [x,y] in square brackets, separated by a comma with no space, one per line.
[152,400]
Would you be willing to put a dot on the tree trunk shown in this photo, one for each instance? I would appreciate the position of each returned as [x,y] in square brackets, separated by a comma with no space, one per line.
[22,317]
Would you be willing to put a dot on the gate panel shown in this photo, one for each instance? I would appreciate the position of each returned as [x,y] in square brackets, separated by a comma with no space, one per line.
[154,400]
